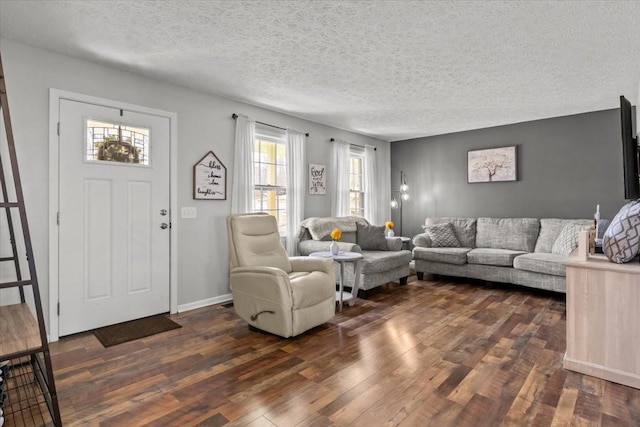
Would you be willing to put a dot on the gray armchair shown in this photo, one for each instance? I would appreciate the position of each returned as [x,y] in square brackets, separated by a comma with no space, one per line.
[271,291]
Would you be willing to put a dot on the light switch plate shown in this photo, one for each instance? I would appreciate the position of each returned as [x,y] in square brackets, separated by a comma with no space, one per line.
[188,212]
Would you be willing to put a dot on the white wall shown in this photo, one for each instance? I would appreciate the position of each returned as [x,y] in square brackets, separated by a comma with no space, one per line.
[204,123]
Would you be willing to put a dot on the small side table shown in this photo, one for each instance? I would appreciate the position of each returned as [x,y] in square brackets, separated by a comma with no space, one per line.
[342,258]
[405,242]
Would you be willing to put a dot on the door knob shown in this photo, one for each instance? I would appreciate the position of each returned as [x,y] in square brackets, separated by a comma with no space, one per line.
[163,212]
[164,225]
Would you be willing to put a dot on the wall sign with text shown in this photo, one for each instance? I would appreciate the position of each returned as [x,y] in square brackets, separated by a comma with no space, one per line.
[317,179]
[210,178]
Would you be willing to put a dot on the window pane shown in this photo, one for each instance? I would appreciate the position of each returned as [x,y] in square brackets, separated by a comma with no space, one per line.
[113,142]
[271,175]
[356,206]
[256,151]
[356,165]
[271,179]
[355,183]
[281,172]
[355,174]
[257,200]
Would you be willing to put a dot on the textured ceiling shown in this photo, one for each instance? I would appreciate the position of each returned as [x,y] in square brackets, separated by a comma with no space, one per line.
[389,69]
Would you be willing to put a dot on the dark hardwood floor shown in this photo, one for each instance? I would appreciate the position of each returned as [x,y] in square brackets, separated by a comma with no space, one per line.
[431,353]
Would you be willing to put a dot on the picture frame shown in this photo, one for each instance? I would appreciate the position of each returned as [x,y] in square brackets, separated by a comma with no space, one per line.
[317,179]
[209,178]
[492,165]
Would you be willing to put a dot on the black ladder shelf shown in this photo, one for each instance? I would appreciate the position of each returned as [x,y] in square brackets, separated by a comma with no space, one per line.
[27,390]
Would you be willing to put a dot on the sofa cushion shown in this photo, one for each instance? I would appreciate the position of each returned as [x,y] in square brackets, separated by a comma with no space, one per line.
[542,263]
[567,240]
[381,261]
[464,228]
[516,234]
[447,255]
[442,235]
[490,256]
[371,237]
[550,230]
[621,242]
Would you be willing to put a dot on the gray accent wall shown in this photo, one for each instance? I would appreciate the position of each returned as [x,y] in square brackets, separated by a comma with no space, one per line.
[566,166]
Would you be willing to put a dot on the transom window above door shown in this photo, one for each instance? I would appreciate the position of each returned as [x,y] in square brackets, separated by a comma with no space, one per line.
[114,142]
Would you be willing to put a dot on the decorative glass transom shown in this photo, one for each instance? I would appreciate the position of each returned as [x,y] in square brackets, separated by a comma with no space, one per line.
[113,142]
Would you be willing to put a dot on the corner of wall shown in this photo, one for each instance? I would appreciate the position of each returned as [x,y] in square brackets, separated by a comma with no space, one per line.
[638,111]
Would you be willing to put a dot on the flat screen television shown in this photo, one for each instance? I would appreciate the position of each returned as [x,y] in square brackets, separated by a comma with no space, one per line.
[630,152]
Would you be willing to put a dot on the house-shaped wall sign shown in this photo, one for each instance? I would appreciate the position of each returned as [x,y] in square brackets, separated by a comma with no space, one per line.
[209,178]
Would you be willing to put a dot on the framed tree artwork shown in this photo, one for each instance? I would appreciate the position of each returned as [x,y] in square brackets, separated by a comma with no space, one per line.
[492,165]
[209,178]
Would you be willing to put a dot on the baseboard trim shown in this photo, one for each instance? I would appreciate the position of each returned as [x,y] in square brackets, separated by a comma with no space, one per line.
[630,379]
[204,303]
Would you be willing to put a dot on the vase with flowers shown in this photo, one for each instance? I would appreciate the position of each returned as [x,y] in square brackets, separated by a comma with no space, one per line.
[389,225]
[336,234]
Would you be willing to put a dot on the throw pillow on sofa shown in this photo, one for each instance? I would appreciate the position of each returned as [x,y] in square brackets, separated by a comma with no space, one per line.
[371,237]
[442,235]
[567,240]
[621,242]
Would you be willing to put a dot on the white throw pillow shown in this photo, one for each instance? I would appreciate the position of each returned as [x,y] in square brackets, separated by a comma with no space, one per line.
[567,240]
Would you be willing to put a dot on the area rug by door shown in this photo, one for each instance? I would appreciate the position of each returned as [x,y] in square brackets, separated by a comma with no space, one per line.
[133,330]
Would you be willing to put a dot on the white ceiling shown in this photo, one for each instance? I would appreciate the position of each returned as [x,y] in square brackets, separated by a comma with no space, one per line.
[390,69]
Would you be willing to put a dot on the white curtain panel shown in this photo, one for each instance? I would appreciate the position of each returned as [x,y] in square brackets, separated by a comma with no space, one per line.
[372,210]
[295,187]
[242,187]
[340,166]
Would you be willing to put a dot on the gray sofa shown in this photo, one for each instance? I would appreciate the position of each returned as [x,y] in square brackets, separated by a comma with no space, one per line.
[387,263]
[524,251]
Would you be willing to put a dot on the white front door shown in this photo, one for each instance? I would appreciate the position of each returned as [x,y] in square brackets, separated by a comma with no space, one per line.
[114,216]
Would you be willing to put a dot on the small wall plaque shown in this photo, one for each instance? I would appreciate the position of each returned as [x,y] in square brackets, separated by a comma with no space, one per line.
[210,178]
[317,179]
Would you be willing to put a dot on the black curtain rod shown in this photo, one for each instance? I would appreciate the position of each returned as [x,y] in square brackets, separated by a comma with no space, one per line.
[235,116]
[356,145]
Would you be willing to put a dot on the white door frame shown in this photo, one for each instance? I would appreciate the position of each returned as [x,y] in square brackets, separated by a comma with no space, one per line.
[55,95]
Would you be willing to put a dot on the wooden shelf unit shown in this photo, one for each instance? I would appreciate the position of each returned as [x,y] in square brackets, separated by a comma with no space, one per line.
[19,330]
[603,314]
[27,391]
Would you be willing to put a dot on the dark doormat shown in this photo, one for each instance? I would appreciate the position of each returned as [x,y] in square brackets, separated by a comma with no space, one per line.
[134,329]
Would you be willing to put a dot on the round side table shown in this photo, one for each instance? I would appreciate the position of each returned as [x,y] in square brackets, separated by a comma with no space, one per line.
[341,258]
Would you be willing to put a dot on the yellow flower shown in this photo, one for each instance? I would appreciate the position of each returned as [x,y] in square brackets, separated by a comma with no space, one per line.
[336,234]
[389,224]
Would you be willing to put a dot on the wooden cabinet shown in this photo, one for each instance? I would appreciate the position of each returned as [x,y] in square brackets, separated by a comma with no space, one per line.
[603,318]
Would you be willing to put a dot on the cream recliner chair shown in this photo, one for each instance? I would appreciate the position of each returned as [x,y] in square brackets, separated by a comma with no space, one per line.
[271,291]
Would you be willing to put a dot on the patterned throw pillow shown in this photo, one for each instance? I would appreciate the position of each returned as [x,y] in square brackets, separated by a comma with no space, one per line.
[567,240]
[442,235]
[621,242]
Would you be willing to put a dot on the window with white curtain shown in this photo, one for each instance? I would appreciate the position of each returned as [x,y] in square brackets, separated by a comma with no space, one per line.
[356,191]
[270,174]
[356,183]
